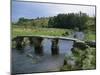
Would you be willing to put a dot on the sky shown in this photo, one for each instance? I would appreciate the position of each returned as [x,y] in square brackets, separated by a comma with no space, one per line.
[32,10]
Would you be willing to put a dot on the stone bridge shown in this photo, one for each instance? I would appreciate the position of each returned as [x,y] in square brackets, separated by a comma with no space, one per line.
[39,62]
[37,40]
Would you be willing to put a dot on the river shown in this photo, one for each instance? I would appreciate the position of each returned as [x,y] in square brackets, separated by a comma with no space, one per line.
[22,63]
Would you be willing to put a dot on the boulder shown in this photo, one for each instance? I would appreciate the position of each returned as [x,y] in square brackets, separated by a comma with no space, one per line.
[91,43]
[80,45]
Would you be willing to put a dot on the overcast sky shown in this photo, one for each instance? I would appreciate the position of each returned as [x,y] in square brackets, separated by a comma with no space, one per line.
[33,10]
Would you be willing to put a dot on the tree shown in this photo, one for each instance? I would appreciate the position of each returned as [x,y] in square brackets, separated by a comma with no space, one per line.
[69,21]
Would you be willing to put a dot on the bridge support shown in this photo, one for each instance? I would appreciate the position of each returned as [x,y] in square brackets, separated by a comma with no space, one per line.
[19,43]
[31,39]
[54,48]
[37,45]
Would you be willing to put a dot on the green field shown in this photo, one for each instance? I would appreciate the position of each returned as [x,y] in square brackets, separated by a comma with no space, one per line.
[39,31]
[19,31]
[90,35]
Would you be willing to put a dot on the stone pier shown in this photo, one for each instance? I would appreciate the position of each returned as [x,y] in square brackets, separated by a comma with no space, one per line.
[37,45]
[19,43]
[54,48]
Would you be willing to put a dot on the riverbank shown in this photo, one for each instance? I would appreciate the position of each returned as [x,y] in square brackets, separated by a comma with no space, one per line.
[21,31]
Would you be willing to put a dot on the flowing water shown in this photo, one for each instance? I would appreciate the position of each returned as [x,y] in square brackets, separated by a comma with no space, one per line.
[28,62]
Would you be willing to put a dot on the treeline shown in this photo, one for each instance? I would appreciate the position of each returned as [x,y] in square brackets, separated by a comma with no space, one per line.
[67,21]
[38,22]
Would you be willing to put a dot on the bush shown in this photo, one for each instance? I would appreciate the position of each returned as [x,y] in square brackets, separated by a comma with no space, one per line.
[82,59]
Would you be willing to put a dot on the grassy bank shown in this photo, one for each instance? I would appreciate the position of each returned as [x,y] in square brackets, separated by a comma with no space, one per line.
[19,31]
[84,59]
[90,35]
[39,31]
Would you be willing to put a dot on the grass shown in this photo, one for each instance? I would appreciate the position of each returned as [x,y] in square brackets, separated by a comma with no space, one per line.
[39,31]
[19,31]
[90,36]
